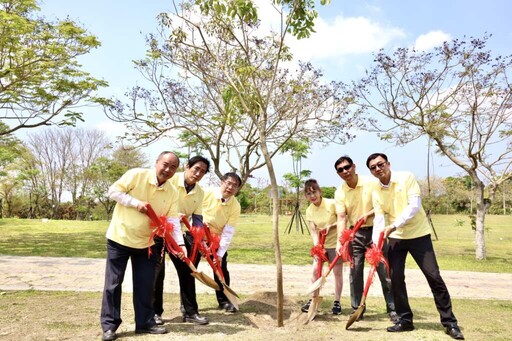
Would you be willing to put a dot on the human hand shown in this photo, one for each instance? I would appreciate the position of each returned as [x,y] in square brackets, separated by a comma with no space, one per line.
[183,252]
[142,207]
[388,230]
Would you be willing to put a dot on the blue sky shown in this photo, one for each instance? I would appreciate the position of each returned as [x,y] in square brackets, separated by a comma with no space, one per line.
[348,31]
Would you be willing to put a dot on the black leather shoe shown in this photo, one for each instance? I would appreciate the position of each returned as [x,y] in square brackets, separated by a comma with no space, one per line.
[195,318]
[230,308]
[454,333]
[109,335]
[401,327]
[152,330]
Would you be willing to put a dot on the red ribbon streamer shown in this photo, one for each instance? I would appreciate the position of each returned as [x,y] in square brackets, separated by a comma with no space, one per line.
[198,235]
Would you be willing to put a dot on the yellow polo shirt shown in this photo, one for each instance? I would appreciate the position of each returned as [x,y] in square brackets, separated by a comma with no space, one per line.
[323,216]
[191,202]
[393,200]
[218,214]
[355,202]
[128,226]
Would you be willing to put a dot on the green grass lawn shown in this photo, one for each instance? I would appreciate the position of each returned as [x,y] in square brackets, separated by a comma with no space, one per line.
[253,242]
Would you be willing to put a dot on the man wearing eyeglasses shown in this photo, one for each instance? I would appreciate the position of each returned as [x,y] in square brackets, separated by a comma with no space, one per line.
[354,201]
[221,212]
[398,200]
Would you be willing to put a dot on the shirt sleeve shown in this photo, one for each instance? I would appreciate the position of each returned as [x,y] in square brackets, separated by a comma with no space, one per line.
[119,190]
[176,232]
[414,204]
[379,221]
[122,198]
[225,240]
[339,198]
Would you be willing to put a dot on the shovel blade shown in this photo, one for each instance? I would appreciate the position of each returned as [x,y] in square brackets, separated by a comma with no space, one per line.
[317,284]
[231,295]
[206,280]
[355,315]
[313,308]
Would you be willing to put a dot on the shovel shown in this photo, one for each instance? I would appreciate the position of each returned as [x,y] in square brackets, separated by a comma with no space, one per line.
[208,254]
[202,277]
[356,314]
[231,295]
[317,299]
[321,281]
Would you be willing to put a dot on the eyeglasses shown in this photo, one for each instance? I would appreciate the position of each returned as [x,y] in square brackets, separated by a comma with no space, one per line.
[378,165]
[343,168]
[231,184]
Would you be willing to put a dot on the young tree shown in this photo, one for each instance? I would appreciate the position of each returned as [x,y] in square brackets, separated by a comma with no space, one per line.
[220,81]
[298,151]
[459,95]
[40,79]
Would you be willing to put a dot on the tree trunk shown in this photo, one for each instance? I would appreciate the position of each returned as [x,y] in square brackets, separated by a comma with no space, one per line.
[481,207]
[275,224]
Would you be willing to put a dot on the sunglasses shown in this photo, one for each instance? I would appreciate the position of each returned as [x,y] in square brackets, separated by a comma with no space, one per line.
[344,168]
[378,165]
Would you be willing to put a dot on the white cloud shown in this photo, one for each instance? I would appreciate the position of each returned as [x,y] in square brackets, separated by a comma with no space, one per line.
[112,129]
[431,39]
[344,37]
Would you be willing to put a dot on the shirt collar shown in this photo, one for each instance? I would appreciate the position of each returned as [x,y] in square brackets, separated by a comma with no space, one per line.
[391,180]
[218,195]
[155,180]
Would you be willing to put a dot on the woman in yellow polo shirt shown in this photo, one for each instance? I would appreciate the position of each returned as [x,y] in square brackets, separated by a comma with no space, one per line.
[321,215]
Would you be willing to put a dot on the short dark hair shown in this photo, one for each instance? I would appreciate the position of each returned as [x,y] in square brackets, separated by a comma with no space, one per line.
[374,156]
[311,184]
[343,158]
[198,158]
[232,175]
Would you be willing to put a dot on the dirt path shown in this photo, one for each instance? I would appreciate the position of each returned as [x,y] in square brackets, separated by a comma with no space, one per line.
[86,274]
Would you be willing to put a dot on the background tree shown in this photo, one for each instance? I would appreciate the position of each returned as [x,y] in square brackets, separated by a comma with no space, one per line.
[298,150]
[87,145]
[459,96]
[220,82]
[105,170]
[62,158]
[40,79]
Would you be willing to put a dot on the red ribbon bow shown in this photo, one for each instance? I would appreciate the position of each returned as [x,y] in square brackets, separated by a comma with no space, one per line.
[374,256]
[161,229]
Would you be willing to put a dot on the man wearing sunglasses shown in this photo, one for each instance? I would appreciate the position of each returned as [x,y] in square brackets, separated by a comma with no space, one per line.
[354,201]
[398,212]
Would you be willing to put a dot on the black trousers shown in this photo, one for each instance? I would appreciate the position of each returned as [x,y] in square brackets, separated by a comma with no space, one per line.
[221,298]
[422,250]
[362,242]
[143,270]
[186,280]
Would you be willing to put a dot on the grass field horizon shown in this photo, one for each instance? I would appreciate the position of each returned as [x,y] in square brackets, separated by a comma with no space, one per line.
[253,241]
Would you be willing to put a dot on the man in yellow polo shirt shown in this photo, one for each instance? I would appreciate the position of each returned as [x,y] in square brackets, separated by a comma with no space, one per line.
[190,204]
[128,237]
[398,212]
[221,212]
[354,201]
